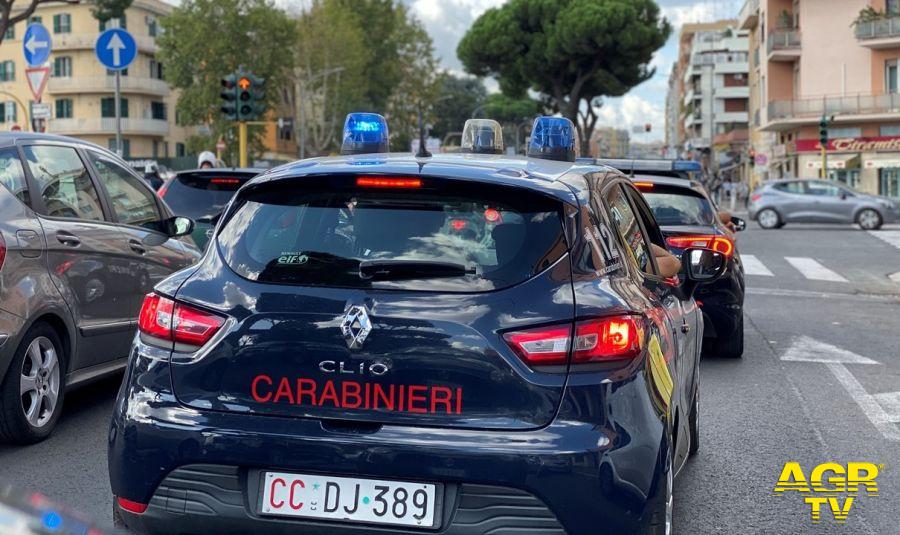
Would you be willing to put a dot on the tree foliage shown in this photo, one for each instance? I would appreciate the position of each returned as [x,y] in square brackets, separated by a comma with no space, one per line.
[7,18]
[458,98]
[204,40]
[569,51]
[506,109]
[104,10]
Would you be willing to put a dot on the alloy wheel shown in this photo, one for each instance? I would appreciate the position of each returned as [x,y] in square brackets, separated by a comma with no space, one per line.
[39,382]
[768,219]
[869,219]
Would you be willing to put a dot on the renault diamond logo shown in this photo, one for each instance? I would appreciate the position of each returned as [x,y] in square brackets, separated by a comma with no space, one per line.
[356,326]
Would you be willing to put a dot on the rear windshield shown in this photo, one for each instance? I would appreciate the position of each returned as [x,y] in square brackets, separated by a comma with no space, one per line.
[679,206]
[319,236]
[202,196]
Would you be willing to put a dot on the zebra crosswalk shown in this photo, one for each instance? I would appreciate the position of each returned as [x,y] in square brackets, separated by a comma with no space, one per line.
[891,237]
[809,268]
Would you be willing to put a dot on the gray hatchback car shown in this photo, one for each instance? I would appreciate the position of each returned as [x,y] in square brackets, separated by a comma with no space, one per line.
[778,202]
[82,239]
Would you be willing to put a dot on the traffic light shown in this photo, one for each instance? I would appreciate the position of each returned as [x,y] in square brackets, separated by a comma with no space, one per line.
[229,97]
[251,97]
[823,132]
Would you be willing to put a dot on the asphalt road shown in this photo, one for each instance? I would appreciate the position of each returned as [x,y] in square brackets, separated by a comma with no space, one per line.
[756,413]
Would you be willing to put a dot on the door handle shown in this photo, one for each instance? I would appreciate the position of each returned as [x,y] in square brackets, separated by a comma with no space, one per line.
[137,247]
[67,238]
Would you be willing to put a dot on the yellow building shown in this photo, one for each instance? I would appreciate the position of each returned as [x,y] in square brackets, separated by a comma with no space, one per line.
[80,90]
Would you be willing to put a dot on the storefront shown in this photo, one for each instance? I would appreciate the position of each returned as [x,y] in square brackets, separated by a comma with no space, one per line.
[869,164]
[888,170]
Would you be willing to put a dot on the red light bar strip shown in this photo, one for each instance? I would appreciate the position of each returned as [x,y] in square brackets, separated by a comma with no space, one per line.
[387,182]
[643,185]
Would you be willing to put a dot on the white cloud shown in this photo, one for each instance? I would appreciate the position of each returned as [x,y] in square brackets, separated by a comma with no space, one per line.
[696,12]
[632,110]
[447,22]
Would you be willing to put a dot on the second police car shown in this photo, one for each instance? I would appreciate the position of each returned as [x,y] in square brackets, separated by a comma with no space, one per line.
[391,343]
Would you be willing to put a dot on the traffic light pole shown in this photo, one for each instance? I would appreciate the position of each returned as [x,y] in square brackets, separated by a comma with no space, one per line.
[824,162]
[242,144]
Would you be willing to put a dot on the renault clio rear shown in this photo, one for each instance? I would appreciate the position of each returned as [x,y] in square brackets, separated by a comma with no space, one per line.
[385,343]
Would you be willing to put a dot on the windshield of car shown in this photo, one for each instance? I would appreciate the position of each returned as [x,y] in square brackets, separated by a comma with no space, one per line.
[471,239]
[202,196]
[679,206]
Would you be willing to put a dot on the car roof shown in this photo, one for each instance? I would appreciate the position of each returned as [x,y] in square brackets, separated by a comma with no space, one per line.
[8,138]
[532,173]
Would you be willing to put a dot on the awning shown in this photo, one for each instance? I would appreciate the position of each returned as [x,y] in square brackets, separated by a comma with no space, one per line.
[835,161]
[886,161]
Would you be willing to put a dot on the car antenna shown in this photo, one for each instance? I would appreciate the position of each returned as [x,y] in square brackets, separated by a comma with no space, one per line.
[423,151]
[631,175]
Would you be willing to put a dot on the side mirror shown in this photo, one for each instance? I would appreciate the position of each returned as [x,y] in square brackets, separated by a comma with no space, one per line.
[178,226]
[702,266]
[739,224]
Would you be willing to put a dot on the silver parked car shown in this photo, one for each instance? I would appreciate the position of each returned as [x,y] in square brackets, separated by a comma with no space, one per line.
[82,239]
[779,202]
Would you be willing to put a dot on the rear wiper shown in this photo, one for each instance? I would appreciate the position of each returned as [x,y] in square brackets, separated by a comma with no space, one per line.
[411,269]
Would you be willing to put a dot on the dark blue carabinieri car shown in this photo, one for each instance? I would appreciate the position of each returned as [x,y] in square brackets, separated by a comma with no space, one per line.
[385,343]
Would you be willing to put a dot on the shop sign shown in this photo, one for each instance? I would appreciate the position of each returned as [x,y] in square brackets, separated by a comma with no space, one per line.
[851,144]
[881,164]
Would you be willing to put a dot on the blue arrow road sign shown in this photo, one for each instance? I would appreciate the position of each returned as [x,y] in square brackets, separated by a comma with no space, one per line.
[115,49]
[36,45]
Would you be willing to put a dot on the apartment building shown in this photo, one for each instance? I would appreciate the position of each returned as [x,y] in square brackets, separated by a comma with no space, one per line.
[709,85]
[610,142]
[81,91]
[832,58]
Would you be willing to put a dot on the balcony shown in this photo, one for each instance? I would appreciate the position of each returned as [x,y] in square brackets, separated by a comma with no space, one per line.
[731,117]
[783,45]
[738,91]
[786,114]
[107,84]
[749,16]
[86,41]
[106,126]
[884,33]
[735,137]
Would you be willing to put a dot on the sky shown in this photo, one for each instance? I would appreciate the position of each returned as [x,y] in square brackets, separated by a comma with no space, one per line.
[448,20]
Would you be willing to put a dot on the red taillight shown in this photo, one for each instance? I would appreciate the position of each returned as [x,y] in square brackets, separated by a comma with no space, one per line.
[132,507]
[755,197]
[225,181]
[165,319]
[387,182]
[2,251]
[720,244]
[596,340]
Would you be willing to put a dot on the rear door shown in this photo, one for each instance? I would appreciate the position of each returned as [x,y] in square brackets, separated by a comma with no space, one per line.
[830,203]
[792,202]
[89,259]
[382,301]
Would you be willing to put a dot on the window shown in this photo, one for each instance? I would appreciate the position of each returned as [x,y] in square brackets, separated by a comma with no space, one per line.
[131,201]
[847,177]
[679,206]
[108,107]
[64,182]
[626,222]
[179,150]
[12,175]
[849,131]
[890,130]
[62,23]
[62,66]
[156,70]
[822,189]
[126,147]
[152,27]
[8,111]
[64,108]
[114,23]
[7,71]
[158,110]
[892,7]
[890,76]
[795,188]
[10,32]
[35,18]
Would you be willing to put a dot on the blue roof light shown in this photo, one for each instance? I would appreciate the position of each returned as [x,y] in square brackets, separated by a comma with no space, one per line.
[482,136]
[365,133]
[51,520]
[553,138]
[687,165]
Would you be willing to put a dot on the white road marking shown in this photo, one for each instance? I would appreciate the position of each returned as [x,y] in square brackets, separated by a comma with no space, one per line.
[806,349]
[753,266]
[890,402]
[813,270]
[892,237]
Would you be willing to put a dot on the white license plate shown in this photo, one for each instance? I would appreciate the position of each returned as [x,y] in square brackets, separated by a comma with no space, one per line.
[353,499]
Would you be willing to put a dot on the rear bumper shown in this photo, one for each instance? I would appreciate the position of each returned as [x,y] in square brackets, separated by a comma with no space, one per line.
[568,477]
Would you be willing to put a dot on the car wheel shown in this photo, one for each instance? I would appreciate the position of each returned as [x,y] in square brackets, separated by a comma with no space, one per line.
[769,219]
[694,423]
[733,346]
[31,395]
[661,522]
[869,219]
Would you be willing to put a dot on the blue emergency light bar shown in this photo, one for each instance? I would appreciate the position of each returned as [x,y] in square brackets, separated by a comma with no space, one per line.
[365,133]
[482,136]
[553,138]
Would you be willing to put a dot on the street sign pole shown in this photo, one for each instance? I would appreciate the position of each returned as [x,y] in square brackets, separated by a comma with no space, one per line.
[242,144]
[119,113]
